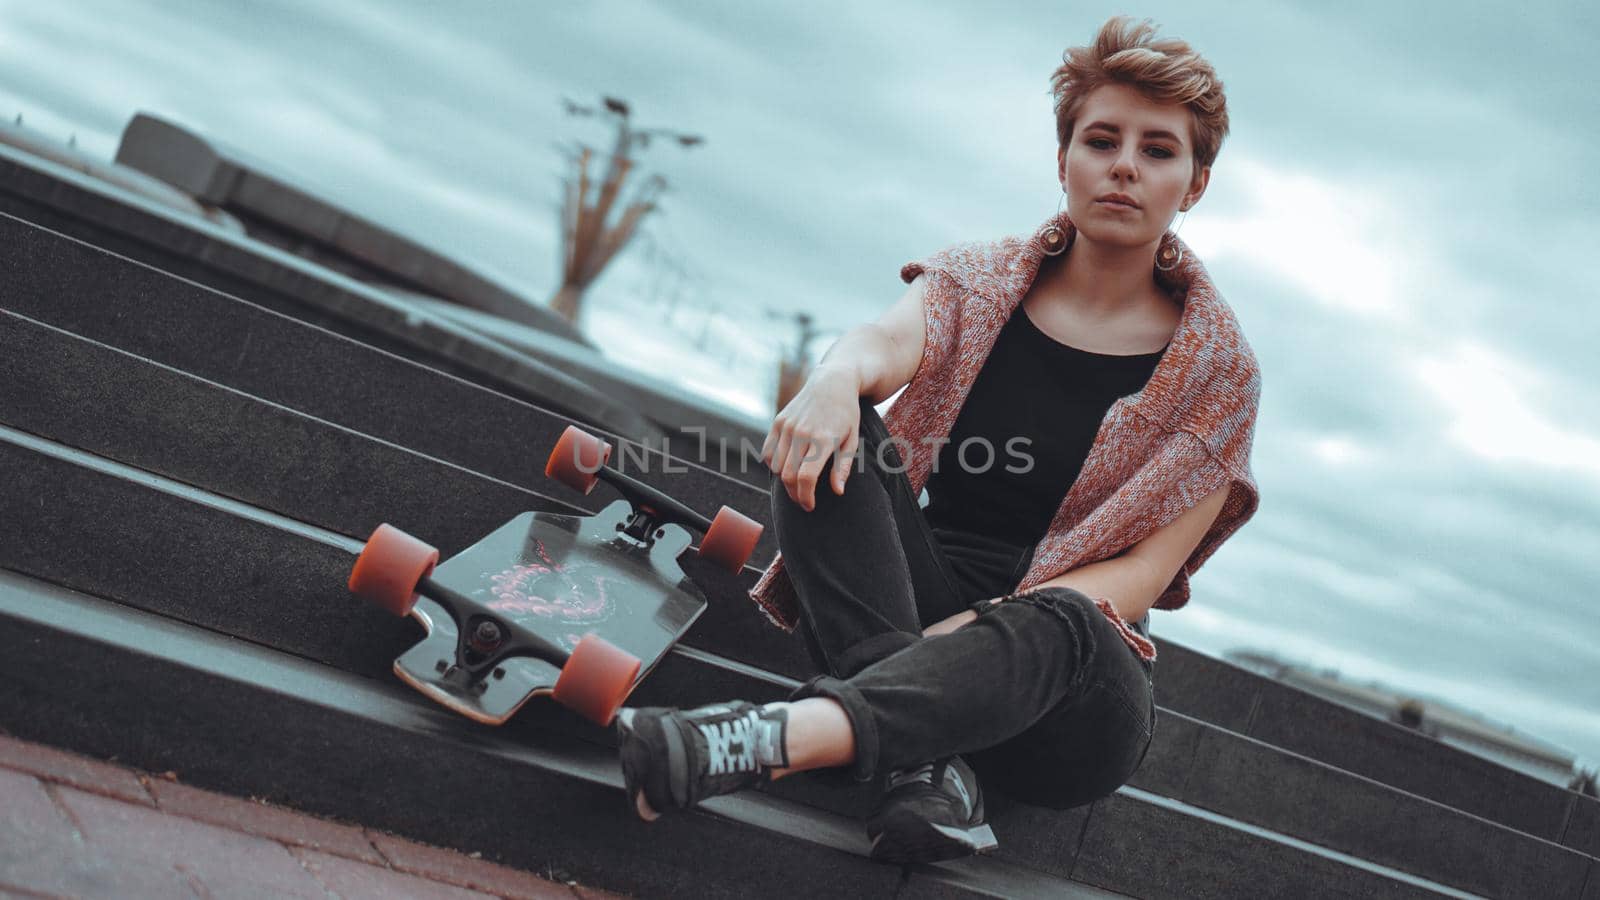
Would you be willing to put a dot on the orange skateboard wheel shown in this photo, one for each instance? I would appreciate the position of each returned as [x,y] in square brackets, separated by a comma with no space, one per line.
[390,567]
[731,539]
[596,679]
[577,458]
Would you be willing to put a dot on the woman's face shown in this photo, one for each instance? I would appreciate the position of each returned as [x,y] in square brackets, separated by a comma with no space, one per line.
[1124,143]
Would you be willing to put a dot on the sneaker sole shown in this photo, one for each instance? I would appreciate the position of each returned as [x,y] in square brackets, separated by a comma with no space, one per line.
[624,731]
[921,841]
[635,761]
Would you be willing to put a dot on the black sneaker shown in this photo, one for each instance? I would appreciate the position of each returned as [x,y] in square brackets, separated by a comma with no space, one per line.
[672,759]
[930,813]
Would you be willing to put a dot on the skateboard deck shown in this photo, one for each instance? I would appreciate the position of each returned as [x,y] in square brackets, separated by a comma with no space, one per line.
[577,607]
[561,577]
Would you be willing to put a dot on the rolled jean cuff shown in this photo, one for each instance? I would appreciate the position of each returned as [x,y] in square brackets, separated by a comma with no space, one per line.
[865,652]
[855,708]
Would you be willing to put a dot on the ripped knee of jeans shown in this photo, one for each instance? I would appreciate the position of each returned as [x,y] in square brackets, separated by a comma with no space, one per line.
[1052,597]
[1068,604]
[1073,607]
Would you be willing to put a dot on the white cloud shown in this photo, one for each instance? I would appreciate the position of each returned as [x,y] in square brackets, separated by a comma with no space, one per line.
[1490,395]
[1340,450]
[1336,242]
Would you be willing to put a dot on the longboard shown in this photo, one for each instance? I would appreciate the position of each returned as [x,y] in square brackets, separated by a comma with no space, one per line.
[580,608]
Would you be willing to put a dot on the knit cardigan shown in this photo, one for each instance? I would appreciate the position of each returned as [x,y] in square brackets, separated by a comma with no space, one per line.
[1157,453]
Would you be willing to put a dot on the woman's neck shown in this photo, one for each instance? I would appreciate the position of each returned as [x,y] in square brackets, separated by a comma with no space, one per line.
[1102,282]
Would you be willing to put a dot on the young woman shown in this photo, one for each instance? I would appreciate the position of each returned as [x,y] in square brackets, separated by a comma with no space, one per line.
[1079,406]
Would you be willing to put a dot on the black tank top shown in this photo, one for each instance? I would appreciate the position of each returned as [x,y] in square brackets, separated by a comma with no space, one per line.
[1038,404]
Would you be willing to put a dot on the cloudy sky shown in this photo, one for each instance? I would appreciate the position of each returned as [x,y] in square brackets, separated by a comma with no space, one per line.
[1398,219]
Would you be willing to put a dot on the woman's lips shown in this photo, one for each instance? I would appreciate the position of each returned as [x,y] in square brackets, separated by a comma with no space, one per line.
[1112,204]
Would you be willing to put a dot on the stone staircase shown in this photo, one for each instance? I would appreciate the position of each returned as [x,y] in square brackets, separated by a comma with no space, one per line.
[548,370]
[189,473]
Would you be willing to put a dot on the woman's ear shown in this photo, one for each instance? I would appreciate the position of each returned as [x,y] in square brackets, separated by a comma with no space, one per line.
[1196,189]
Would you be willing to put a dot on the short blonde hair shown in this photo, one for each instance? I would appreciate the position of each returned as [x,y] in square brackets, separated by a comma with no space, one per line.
[1166,71]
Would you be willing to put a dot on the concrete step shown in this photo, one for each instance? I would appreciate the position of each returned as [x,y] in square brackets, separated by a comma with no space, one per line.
[80,827]
[60,203]
[158,420]
[664,403]
[141,539]
[54,201]
[1211,768]
[1242,701]
[148,313]
[236,717]
[302,568]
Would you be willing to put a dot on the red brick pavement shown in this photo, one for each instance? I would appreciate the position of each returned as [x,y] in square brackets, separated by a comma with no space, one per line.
[77,827]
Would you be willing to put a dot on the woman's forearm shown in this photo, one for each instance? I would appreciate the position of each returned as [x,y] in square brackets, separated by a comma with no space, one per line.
[1126,581]
[868,353]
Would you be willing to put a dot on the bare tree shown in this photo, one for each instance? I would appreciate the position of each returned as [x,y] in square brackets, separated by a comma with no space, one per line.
[590,236]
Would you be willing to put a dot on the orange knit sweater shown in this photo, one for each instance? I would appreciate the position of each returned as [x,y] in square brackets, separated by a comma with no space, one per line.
[1157,453]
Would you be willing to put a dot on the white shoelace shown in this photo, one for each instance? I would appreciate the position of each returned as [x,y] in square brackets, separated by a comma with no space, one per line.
[924,774]
[731,745]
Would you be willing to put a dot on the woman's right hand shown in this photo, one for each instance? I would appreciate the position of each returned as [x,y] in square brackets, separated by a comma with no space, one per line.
[823,420]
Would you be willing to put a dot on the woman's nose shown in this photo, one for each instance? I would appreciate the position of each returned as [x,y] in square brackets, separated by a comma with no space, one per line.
[1124,167]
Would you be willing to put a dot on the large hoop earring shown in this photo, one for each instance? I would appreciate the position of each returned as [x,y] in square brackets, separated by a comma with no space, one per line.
[1170,253]
[1054,239]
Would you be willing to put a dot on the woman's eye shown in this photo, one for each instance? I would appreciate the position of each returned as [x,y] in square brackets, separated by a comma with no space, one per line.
[1161,152]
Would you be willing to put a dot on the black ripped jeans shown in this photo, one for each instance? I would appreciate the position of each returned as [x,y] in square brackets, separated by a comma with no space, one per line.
[1039,693]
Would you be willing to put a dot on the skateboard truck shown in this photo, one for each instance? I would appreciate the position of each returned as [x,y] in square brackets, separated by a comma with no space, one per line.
[393,571]
[485,640]
[579,461]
